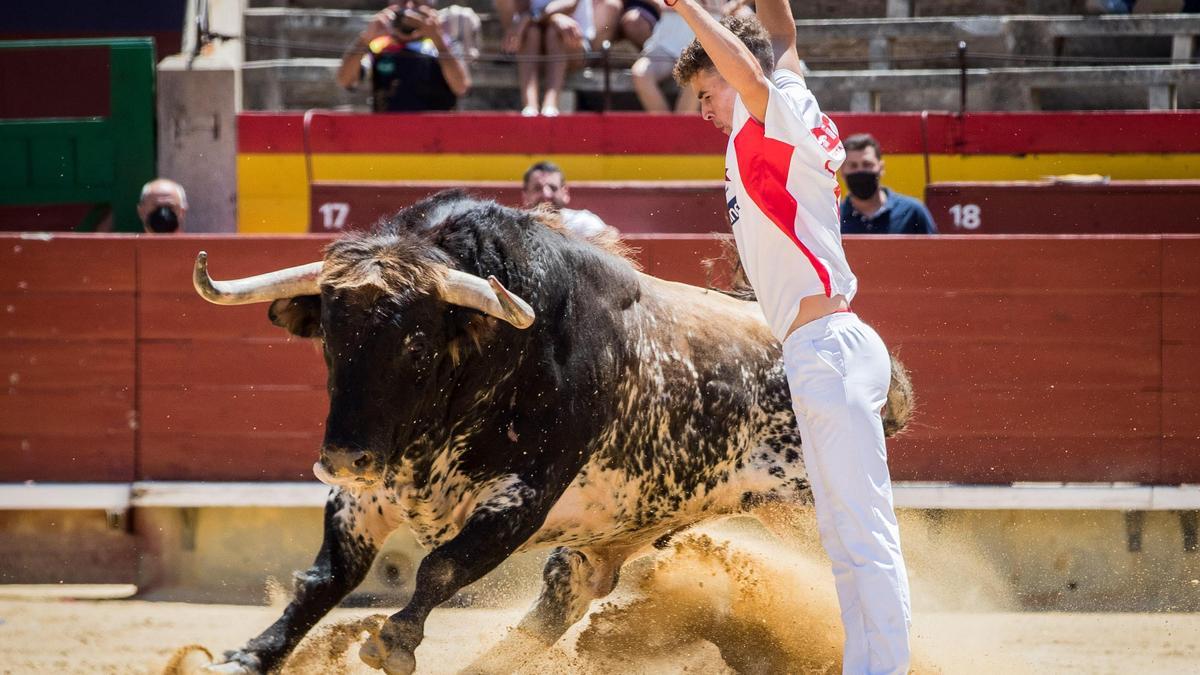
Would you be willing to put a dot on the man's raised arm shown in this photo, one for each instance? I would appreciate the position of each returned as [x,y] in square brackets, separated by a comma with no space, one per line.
[776,17]
[732,59]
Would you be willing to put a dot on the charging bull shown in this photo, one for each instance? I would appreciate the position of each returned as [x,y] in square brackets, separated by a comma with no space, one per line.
[498,385]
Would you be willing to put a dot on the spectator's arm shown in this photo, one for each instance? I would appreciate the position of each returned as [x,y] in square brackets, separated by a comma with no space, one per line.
[350,70]
[776,17]
[561,7]
[453,68]
[733,60]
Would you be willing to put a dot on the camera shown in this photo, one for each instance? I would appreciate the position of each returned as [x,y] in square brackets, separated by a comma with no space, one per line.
[406,22]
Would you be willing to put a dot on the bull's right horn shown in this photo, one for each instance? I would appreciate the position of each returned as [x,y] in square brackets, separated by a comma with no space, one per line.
[489,297]
[285,283]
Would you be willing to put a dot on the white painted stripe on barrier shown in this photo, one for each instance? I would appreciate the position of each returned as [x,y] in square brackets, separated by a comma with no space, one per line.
[229,494]
[37,496]
[1048,496]
[118,497]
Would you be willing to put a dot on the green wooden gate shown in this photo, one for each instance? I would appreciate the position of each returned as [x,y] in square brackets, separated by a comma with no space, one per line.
[76,128]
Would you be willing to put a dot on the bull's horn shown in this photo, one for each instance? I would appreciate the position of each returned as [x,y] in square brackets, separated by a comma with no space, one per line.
[489,297]
[285,283]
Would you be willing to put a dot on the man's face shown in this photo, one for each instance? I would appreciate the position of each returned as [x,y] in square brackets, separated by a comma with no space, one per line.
[861,172]
[860,161]
[161,194]
[545,187]
[716,98]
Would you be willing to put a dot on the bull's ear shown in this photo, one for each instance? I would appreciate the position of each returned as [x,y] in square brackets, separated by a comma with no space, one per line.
[300,316]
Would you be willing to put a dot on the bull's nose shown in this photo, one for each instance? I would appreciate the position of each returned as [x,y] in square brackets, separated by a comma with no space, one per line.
[347,463]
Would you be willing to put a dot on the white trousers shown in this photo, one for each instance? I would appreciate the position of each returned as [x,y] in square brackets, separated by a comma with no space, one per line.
[839,371]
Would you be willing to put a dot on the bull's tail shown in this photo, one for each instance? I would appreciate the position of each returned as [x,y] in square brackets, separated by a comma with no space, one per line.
[901,401]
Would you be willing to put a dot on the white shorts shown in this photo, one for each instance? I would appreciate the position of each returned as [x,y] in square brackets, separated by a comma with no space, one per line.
[839,371]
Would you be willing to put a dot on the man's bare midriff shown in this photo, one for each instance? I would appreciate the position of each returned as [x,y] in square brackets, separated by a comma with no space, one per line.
[814,307]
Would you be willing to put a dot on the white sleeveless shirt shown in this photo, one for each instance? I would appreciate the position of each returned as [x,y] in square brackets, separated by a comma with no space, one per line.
[783,198]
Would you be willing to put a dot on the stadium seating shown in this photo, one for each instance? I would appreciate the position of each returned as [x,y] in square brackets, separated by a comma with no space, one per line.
[1020,56]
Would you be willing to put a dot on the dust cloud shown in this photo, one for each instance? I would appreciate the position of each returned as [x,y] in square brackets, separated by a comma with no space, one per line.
[724,598]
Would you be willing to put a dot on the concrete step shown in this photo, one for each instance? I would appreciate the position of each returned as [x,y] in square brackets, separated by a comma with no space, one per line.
[291,84]
[302,83]
[803,9]
[930,42]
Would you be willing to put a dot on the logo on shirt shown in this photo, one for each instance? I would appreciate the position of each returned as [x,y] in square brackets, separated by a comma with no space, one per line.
[735,211]
[827,134]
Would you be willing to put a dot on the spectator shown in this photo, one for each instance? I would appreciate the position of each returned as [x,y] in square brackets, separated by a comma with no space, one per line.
[671,34]
[870,208]
[559,30]
[544,183]
[1126,6]
[162,206]
[414,64]
[632,20]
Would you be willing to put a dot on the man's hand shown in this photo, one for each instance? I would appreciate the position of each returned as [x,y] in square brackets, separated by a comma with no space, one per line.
[569,28]
[515,35]
[429,25]
[380,24]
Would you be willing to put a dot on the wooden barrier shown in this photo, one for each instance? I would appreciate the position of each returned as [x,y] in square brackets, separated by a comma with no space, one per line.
[274,176]
[1049,207]
[1034,358]
[631,206]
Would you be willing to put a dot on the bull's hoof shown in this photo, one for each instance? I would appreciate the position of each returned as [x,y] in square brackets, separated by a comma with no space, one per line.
[229,668]
[236,663]
[398,661]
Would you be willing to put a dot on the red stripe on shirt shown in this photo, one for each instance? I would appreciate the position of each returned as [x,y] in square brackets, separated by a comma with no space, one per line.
[763,164]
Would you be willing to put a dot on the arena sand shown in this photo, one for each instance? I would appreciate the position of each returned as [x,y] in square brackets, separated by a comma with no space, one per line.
[724,599]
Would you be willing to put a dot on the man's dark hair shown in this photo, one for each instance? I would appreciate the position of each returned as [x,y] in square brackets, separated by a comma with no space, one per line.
[694,60]
[544,167]
[862,142]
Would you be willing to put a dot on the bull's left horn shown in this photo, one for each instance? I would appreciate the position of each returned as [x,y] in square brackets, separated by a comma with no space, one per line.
[285,283]
[489,297]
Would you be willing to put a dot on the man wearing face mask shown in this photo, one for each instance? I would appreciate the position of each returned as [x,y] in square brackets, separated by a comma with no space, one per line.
[871,208]
[163,206]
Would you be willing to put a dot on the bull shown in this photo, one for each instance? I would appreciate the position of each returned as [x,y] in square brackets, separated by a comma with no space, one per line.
[499,385]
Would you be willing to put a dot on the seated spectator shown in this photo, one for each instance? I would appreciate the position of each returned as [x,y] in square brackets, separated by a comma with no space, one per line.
[544,183]
[162,206]
[413,62]
[1126,6]
[632,20]
[556,32]
[871,208]
[671,34]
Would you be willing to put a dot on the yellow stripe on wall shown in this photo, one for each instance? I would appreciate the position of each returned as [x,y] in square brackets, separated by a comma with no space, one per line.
[273,188]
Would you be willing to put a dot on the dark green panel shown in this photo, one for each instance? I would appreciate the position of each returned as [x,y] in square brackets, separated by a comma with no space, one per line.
[87,160]
[95,168]
[14,164]
[53,163]
[132,95]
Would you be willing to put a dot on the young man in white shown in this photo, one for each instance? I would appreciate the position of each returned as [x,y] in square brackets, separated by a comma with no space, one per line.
[782,194]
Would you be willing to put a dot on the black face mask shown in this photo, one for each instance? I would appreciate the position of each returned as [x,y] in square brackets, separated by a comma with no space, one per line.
[162,220]
[863,184]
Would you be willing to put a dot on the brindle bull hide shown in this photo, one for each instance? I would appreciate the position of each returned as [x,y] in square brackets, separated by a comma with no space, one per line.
[498,385]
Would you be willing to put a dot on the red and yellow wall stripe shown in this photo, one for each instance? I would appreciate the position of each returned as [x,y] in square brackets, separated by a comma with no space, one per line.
[273,174]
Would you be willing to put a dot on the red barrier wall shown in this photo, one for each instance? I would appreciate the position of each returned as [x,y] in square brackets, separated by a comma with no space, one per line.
[1034,358]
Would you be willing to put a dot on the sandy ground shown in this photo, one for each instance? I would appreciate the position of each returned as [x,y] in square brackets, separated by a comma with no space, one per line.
[139,637]
[718,601]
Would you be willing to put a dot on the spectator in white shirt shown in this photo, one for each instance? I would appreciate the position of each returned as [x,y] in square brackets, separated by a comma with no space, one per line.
[544,183]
